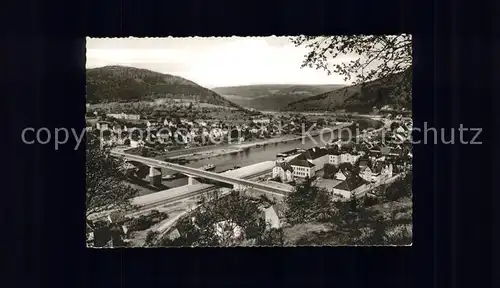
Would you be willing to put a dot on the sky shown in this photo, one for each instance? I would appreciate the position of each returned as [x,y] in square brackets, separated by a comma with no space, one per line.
[215,61]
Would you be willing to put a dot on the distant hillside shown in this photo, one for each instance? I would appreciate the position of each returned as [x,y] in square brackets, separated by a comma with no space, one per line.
[357,98]
[272,96]
[120,83]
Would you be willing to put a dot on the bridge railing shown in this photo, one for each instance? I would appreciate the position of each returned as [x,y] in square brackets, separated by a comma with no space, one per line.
[201,173]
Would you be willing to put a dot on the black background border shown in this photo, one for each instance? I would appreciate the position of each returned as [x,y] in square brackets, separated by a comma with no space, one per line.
[43,51]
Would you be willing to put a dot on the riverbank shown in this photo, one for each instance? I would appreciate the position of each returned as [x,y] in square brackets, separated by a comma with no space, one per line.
[236,148]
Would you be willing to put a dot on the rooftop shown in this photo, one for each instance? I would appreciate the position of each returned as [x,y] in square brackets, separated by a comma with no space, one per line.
[302,161]
[315,153]
[350,183]
[285,165]
[166,194]
[250,170]
[327,183]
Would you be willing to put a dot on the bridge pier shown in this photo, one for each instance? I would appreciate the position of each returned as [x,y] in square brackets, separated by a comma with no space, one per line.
[211,177]
[192,180]
[155,176]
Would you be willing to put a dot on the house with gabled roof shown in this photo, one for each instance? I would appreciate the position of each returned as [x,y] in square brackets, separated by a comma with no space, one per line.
[366,173]
[352,184]
[342,174]
[283,170]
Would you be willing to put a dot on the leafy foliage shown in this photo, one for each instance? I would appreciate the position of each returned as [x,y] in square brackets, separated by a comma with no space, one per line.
[307,202]
[329,171]
[401,188]
[272,237]
[378,56]
[230,213]
[144,222]
[105,176]
[352,222]
[151,238]
[381,71]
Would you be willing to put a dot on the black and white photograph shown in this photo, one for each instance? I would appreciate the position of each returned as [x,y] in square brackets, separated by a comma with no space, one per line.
[249,141]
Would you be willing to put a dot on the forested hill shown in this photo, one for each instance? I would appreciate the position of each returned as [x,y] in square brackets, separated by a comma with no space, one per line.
[271,96]
[121,83]
[359,98]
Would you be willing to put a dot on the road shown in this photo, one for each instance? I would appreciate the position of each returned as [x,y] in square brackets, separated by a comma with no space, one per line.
[159,199]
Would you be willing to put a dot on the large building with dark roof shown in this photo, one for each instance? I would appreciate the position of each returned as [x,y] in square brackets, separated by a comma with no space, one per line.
[303,167]
[314,159]
[350,185]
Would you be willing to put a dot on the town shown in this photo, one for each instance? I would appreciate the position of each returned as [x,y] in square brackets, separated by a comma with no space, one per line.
[182,166]
[346,170]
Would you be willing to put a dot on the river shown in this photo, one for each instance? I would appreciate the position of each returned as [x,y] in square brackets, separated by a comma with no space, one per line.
[268,152]
[250,156]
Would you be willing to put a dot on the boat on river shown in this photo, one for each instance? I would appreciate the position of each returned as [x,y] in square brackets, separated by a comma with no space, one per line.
[208,167]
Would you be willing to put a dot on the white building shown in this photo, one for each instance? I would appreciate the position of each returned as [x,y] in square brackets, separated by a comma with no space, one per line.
[284,171]
[125,116]
[151,124]
[337,158]
[261,121]
[103,125]
[366,173]
[378,172]
[309,162]
[352,184]
[302,167]
[135,144]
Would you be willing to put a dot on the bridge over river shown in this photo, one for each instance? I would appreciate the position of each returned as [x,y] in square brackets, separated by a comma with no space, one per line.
[158,199]
[237,183]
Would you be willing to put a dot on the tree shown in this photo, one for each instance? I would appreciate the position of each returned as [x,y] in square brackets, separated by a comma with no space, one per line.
[329,171]
[353,202]
[105,187]
[345,166]
[400,188]
[214,223]
[272,237]
[308,202]
[399,235]
[151,238]
[377,57]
